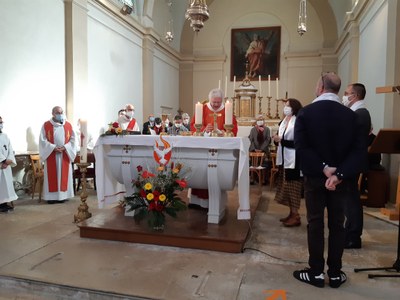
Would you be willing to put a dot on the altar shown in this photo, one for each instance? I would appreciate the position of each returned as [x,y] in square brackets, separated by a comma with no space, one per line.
[213,163]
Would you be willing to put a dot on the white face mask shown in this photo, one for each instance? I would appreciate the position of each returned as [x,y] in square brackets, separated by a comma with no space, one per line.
[178,125]
[287,111]
[186,121]
[260,123]
[346,101]
[158,125]
[130,113]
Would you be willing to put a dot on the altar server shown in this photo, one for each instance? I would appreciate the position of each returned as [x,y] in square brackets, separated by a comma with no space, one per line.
[57,150]
[7,160]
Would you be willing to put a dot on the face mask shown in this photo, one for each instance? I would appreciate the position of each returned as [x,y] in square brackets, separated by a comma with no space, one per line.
[158,125]
[177,125]
[1,126]
[287,111]
[152,120]
[185,121]
[60,118]
[260,123]
[345,101]
[130,113]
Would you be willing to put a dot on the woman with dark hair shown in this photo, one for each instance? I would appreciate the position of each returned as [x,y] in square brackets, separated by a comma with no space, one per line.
[288,188]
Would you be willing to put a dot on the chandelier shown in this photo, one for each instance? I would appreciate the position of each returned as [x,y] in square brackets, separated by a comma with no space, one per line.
[169,34]
[302,25]
[197,13]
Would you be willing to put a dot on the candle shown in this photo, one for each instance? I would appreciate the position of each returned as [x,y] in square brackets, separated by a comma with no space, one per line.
[198,117]
[259,83]
[234,83]
[219,84]
[226,86]
[84,139]
[228,113]
[277,88]
[269,85]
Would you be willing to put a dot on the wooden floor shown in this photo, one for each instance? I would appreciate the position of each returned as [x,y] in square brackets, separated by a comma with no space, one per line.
[189,230]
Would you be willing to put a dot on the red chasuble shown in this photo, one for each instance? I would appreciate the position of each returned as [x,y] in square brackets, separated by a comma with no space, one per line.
[51,160]
[131,124]
[208,118]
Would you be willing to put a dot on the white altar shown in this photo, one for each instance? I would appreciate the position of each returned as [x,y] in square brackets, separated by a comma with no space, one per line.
[213,163]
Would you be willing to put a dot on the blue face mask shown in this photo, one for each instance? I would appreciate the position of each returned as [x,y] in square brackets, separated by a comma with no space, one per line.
[152,119]
[60,118]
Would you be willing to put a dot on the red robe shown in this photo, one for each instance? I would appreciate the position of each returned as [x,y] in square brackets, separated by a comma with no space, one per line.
[208,118]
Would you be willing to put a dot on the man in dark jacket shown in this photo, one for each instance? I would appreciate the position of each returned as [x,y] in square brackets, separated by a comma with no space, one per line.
[330,146]
[354,99]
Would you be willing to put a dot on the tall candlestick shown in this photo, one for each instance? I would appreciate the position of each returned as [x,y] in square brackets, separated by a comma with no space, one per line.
[269,85]
[219,84]
[277,88]
[259,83]
[198,117]
[84,140]
[228,113]
[234,83]
[226,86]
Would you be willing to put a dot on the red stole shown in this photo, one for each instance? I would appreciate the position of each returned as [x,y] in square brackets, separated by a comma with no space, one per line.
[51,160]
[131,124]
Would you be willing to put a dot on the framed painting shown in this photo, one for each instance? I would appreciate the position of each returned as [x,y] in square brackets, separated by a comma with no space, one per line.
[259,49]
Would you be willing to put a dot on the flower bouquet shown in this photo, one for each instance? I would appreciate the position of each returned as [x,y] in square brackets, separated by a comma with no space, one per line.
[156,195]
[114,129]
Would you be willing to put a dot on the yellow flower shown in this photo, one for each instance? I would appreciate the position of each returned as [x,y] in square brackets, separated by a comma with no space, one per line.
[160,168]
[150,196]
[148,186]
[175,171]
[118,130]
[162,197]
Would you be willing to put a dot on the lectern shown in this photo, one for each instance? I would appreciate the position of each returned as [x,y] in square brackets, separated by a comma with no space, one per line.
[388,141]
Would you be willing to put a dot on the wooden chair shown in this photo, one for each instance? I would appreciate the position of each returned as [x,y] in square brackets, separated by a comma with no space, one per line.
[90,171]
[37,175]
[256,166]
[274,170]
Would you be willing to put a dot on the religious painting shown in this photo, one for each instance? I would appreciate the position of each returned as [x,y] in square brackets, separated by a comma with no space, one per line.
[258,49]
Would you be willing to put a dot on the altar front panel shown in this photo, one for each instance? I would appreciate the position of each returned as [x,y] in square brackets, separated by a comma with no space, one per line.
[118,157]
[124,160]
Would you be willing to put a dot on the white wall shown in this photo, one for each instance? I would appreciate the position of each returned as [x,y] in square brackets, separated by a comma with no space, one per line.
[166,84]
[32,64]
[372,59]
[114,71]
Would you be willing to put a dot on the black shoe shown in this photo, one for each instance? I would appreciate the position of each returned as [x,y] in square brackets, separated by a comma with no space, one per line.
[307,277]
[51,201]
[10,208]
[335,282]
[4,208]
[352,244]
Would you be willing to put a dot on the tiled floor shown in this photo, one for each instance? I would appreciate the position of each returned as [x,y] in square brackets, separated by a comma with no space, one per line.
[41,244]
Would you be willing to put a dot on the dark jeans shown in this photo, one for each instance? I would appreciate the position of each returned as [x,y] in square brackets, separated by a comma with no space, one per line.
[317,198]
[354,214]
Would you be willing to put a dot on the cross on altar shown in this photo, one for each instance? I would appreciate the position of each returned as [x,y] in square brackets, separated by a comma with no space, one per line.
[215,115]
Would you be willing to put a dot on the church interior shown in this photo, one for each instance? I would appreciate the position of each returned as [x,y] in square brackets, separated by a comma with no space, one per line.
[92,57]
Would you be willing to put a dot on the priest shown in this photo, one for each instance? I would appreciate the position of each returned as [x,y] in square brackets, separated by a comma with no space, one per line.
[215,105]
[57,150]
[7,160]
